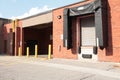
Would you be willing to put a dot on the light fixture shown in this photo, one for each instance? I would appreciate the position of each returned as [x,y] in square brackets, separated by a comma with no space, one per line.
[59,16]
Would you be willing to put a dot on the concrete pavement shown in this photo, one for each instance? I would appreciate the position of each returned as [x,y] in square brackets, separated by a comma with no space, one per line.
[22,68]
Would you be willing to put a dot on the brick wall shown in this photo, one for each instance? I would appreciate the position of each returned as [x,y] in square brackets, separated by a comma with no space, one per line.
[18,37]
[2,33]
[7,31]
[58,50]
[112,52]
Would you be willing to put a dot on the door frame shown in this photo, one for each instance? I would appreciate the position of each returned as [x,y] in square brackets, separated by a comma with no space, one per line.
[78,34]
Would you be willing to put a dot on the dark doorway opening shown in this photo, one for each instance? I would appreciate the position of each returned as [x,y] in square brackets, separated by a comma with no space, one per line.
[31,44]
[40,35]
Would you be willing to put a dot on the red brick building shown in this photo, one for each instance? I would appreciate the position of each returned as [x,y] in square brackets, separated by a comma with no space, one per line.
[87,30]
[92,35]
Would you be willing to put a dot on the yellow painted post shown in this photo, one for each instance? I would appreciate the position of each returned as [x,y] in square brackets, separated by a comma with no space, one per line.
[28,52]
[13,26]
[49,52]
[36,51]
[16,22]
[19,51]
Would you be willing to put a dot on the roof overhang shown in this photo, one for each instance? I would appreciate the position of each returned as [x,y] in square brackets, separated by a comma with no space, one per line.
[42,18]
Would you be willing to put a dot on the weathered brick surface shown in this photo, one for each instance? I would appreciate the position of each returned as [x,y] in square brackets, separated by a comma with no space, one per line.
[18,35]
[112,53]
[58,50]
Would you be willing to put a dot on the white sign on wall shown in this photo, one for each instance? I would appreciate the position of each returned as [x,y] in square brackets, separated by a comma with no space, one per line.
[61,36]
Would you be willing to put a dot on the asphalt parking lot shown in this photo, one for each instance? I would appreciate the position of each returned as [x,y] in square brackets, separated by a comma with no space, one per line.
[22,68]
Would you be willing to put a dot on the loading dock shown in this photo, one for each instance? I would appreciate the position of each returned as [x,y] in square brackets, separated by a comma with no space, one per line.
[37,30]
[87,37]
[40,35]
[72,35]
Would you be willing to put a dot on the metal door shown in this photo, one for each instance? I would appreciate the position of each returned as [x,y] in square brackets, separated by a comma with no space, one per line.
[88,38]
[88,32]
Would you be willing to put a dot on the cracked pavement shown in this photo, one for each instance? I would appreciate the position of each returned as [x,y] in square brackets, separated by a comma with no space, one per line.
[22,68]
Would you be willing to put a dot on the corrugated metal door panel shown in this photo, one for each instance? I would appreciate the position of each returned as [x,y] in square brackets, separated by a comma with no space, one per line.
[88,37]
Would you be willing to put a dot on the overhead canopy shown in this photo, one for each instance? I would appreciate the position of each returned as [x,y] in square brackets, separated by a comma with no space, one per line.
[86,8]
[96,7]
[42,18]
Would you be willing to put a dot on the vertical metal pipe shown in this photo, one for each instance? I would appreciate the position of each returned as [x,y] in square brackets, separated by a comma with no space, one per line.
[13,26]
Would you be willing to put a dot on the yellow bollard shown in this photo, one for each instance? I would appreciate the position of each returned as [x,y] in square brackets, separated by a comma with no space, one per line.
[36,51]
[19,51]
[16,22]
[13,26]
[49,52]
[28,52]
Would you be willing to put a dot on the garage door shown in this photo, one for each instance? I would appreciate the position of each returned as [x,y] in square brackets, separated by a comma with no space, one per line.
[88,37]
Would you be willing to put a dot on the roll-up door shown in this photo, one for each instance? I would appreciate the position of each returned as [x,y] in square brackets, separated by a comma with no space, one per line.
[88,37]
